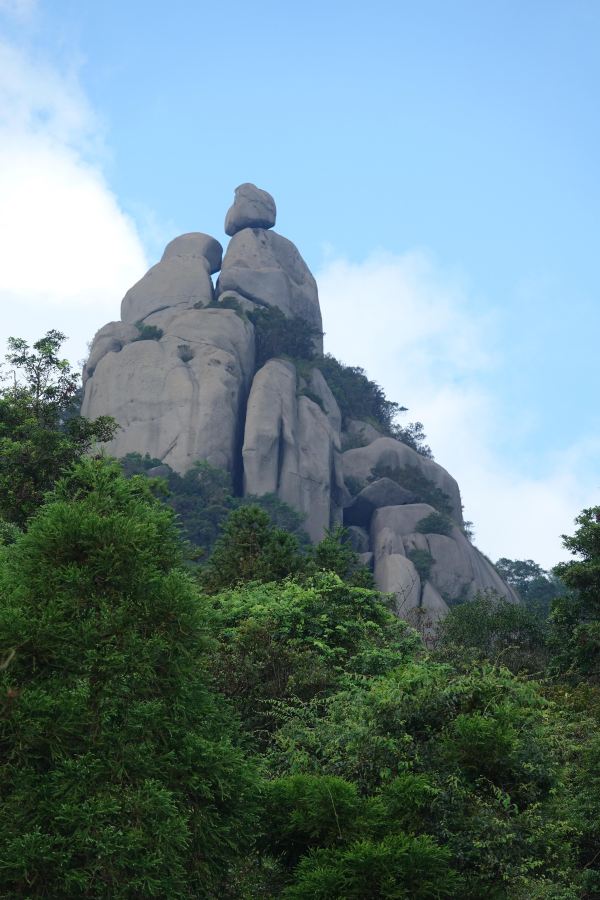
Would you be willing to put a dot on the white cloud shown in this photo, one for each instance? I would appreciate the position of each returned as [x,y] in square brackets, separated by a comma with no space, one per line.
[69,252]
[414,328]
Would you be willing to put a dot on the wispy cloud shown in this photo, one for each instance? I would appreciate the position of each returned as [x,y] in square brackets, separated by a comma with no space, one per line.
[69,252]
[22,10]
[415,329]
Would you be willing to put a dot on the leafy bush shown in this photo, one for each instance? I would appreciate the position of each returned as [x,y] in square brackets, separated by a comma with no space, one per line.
[357,396]
[435,523]
[283,641]
[203,498]
[422,560]
[279,335]
[398,866]
[303,812]
[41,431]
[121,773]
[249,549]
[536,587]
[414,436]
[148,332]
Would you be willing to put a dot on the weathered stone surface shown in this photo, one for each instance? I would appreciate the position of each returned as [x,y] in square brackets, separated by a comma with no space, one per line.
[109,339]
[196,244]
[290,447]
[458,570]
[180,398]
[361,431]
[252,208]
[392,454]
[390,523]
[243,302]
[434,609]
[359,539]
[267,269]
[319,387]
[395,574]
[383,492]
[178,281]
[366,559]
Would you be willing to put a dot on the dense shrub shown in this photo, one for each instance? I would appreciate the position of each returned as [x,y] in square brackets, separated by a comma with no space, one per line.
[279,335]
[148,332]
[41,431]
[435,523]
[121,777]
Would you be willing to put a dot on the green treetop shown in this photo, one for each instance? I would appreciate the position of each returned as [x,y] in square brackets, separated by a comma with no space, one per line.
[120,774]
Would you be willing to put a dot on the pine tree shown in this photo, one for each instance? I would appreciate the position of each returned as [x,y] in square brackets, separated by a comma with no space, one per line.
[121,777]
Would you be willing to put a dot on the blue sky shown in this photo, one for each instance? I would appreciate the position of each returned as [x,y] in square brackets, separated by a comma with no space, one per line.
[436,163]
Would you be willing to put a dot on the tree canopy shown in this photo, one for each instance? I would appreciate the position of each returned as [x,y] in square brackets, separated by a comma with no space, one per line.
[41,433]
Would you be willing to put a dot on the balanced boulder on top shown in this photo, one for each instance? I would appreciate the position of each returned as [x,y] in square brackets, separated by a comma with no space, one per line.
[252,208]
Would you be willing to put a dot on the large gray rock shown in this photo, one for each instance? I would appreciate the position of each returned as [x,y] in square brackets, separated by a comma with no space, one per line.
[252,208]
[383,492]
[359,539]
[180,398]
[358,433]
[178,280]
[291,446]
[458,570]
[267,269]
[390,454]
[395,574]
[198,245]
[109,339]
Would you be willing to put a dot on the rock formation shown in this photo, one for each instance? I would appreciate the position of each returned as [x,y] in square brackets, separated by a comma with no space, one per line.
[178,374]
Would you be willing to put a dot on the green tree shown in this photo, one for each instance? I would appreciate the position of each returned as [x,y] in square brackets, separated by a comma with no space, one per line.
[334,553]
[575,619]
[492,628]
[41,434]
[250,549]
[279,335]
[294,641]
[536,587]
[120,777]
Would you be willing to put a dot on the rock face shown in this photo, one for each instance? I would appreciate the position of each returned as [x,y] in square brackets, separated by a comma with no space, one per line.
[390,456]
[178,374]
[382,492]
[110,339]
[267,269]
[181,279]
[179,398]
[198,245]
[291,445]
[455,569]
[252,208]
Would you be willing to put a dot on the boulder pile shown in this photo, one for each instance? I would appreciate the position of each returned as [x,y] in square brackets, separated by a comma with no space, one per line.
[178,374]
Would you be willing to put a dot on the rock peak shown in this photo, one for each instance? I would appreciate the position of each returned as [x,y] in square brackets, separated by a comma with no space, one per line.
[252,208]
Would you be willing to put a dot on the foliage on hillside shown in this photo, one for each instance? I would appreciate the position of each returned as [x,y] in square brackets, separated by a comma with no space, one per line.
[536,587]
[40,431]
[264,726]
[277,335]
[203,498]
[121,774]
